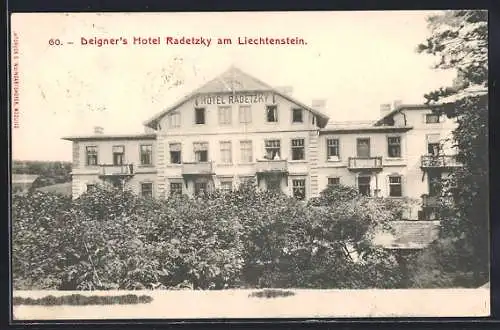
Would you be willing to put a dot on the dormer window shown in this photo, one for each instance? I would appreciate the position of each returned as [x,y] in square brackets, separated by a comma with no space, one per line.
[297,115]
[272,113]
[199,114]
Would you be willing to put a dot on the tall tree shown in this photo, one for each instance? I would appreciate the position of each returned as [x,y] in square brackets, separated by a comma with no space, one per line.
[459,39]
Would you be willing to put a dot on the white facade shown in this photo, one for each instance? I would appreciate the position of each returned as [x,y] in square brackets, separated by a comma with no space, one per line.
[237,127]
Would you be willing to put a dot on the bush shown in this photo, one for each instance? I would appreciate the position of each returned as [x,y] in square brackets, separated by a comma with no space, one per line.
[110,239]
[271,294]
[81,300]
[428,270]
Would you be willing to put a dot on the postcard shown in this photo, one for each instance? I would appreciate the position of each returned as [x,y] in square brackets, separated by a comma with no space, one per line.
[249,165]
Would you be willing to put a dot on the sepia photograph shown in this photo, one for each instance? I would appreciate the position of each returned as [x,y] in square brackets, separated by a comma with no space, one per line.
[243,165]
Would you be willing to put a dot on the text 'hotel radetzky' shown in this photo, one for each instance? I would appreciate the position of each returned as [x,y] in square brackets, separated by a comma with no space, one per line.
[236,127]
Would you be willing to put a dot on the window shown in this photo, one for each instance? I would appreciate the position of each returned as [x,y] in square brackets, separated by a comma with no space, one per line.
[91,187]
[226,152]
[433,144]
[200,188]
[147,190]
[118,155]
[363,148]
[273,149]
[92,155]
[201,151]
[246,151]
[174,119]
[146,154]
[175,153]
[226,186]
[225,115]
[395,188]
[364,185]
[433,148]
[332,149]
[272,113]
[297,115]
[298,149]
[333,181]
[431,118]
[245,114]
[299,189]
[199,114]
[394,146]
[175,188]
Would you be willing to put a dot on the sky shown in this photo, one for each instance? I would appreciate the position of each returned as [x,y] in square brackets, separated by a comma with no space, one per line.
[354,60]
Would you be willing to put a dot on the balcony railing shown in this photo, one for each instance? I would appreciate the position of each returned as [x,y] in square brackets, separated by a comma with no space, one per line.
[267,166]
[435,201]
[197,168]
[439,161]
[116,170]
[365,163]
[430,201]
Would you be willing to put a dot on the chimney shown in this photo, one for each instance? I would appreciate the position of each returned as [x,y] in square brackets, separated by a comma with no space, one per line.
[287,90]
[397,104]
[385,109]
[98,130]
[318,104]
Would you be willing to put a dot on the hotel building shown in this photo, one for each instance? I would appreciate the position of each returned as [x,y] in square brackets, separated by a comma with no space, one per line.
[236,127]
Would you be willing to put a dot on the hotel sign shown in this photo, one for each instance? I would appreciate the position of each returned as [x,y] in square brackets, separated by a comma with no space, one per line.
[236,98]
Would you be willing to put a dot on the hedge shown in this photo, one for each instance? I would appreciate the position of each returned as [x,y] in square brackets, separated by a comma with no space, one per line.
[110,239]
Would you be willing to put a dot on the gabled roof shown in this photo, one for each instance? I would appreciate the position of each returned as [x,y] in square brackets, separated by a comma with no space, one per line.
[234,79]
[401,107]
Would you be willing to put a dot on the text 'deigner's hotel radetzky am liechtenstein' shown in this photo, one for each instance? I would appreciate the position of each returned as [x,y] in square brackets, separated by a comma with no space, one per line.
[236,127]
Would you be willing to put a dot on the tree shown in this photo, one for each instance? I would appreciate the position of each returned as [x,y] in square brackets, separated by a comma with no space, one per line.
[460,40]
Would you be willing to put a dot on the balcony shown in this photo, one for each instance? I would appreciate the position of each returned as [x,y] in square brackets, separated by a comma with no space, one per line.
[433,202]
[364,163]
[438,161]
[430,201]
[271,166]
[197,168]
[110,170]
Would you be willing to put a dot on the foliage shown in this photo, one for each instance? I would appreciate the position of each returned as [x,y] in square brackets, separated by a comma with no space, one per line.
[49,172]
[460,40]
[111,239]
[47,168]
[81,300]
[270,293]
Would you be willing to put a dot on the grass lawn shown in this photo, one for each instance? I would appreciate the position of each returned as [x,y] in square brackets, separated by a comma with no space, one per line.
[59,188]
[242,304]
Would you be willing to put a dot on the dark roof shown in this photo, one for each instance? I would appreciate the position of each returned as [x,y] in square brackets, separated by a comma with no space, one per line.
[361,127]
[405,107]
[248,83]
[97,137]
[411,234]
